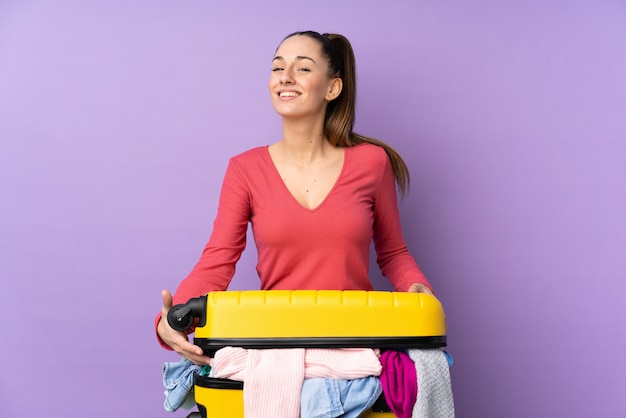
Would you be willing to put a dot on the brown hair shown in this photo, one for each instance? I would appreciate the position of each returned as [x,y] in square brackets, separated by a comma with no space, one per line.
[340,113]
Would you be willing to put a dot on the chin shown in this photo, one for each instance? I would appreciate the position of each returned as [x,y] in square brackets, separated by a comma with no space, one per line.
[287,112]
[292,112]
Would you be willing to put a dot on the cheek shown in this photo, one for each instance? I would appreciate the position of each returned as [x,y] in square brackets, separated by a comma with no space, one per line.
[274,79]
[323,89]
[271,86]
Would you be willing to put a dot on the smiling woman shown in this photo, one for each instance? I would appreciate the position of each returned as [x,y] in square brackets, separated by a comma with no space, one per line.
[301,86]
[315,199]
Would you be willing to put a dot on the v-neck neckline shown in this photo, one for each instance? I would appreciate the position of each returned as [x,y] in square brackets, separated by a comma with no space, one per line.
[292,197]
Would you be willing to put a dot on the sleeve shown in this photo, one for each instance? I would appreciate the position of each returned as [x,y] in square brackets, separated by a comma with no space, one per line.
[393,257]
[216,266]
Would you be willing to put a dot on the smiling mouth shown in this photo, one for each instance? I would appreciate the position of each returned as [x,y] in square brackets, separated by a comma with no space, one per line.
[288,94]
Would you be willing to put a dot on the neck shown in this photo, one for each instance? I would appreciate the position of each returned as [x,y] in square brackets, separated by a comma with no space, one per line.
[303,140]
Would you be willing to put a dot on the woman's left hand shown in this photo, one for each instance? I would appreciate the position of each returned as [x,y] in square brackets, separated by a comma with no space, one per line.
[420,288]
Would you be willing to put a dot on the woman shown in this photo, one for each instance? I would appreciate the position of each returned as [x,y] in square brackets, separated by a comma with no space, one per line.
[315,199]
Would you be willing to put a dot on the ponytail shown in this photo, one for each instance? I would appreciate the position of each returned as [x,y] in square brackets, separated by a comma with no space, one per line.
[340,113]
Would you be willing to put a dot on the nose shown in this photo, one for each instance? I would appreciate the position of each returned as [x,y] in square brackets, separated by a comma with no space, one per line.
[286,76]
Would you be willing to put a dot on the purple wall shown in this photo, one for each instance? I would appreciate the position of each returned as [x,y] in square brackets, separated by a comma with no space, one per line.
[117,119]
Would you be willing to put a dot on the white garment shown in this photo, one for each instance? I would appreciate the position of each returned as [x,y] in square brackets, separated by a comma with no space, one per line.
[434,388]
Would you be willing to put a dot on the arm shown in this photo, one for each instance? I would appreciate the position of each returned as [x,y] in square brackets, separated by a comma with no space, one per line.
[393,257]
[216,266]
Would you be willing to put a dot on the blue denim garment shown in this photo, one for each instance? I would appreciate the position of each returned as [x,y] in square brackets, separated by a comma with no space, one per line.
[330,398]
[178,382]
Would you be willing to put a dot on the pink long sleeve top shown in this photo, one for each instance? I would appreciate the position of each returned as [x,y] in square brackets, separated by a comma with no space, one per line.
[327,247]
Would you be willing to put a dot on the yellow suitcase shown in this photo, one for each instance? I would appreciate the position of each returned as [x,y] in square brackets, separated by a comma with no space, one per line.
[303,318]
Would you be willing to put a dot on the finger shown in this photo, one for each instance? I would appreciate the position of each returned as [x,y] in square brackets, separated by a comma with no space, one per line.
[422,288]
[199,360]
[167,300]
[185,347]
[425,289]
[193,353]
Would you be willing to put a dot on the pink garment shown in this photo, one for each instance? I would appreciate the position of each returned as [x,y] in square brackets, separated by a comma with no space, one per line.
[298,248]
[273,383]
[399,382]
[273,377]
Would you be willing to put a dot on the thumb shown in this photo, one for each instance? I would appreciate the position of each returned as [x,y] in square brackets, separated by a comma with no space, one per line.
[167,300]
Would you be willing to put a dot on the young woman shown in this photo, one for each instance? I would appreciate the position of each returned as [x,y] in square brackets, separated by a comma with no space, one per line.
[315,199]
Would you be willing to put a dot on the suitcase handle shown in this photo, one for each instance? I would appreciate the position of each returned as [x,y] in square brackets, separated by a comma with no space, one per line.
[181,317]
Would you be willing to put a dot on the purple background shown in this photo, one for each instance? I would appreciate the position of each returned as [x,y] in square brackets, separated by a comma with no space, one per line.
[117,120]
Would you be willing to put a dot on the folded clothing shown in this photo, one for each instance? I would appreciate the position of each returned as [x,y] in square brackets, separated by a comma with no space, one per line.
[274,377]
[399,382]
[178,381]
[330,398]
[434,397]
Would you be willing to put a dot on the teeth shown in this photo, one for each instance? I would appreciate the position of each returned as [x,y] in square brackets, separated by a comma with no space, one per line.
[288,94]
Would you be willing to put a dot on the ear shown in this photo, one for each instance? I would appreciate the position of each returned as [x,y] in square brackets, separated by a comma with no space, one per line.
[334,89]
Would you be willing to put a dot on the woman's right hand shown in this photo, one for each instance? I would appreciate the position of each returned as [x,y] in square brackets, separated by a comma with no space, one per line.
[177,340]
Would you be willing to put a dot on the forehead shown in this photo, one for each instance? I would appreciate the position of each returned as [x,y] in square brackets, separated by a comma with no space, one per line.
[299,45]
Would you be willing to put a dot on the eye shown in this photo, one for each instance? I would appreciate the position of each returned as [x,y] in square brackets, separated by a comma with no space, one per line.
[277,69]
[304,70]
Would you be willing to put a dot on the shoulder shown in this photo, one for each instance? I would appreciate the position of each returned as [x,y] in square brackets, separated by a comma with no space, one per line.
[251,160]
[369,155]
[250,155]
[247,165]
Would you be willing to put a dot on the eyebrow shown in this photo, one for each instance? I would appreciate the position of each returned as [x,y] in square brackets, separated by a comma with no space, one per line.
[298,58]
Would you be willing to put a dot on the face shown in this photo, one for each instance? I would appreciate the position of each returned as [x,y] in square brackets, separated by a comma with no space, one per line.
[299,83]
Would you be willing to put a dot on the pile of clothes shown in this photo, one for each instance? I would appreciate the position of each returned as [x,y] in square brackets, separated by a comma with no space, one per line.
[323,383]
